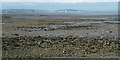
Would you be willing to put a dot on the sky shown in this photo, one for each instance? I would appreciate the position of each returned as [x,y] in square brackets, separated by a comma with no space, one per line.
[60,1]
[91,6]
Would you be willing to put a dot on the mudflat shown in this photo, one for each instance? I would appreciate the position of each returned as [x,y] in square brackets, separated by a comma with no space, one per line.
[59,35]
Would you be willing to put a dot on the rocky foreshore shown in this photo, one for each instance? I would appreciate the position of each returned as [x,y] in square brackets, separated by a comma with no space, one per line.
[70,46]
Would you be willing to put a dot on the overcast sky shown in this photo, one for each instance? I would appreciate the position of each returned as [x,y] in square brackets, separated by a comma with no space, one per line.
[60,1]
